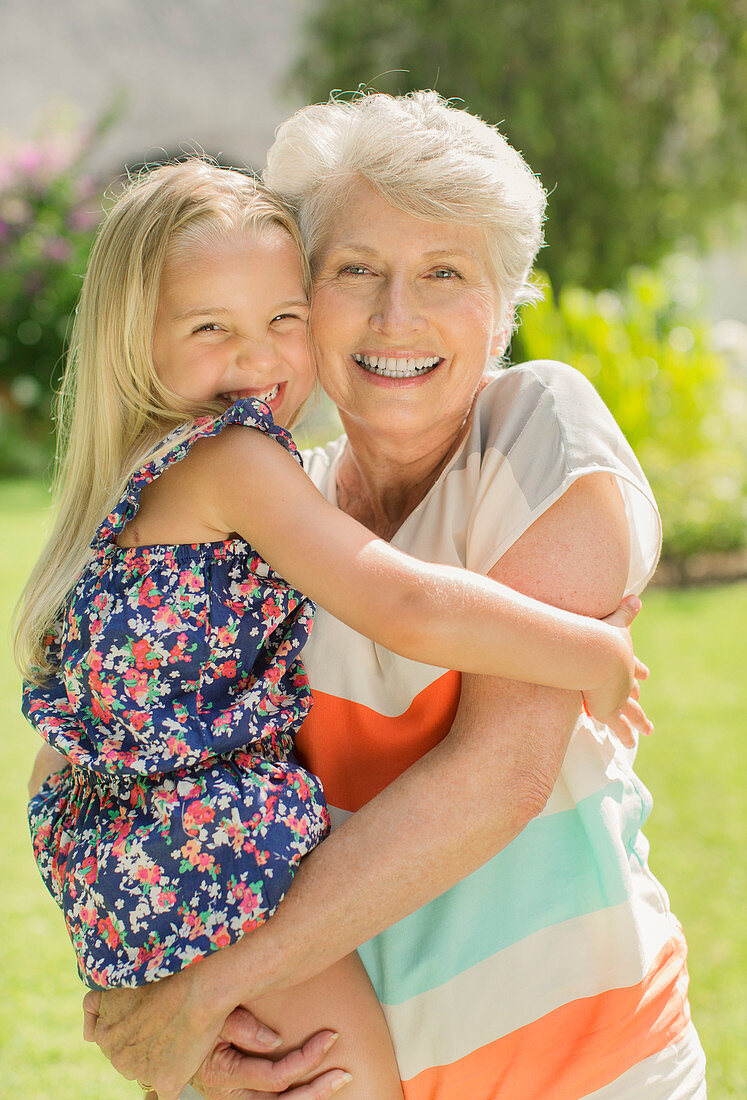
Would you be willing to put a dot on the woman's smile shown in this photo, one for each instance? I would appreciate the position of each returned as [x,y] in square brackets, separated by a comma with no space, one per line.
[397,365]
[403,310]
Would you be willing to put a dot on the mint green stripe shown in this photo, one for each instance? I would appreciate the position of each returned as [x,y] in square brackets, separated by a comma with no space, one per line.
[562,866]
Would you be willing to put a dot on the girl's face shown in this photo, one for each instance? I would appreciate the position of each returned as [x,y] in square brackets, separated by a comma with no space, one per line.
[232,322]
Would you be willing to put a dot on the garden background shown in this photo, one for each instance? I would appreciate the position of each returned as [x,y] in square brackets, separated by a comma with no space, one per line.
[634,117]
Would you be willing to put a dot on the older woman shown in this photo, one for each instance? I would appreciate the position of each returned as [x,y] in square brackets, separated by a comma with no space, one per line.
[488,854]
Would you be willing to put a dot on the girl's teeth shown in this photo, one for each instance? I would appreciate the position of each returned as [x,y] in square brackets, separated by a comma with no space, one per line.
[396,368]
[270,395]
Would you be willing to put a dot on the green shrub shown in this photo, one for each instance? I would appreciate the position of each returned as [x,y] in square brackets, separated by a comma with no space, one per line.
[650,355]
[49,210]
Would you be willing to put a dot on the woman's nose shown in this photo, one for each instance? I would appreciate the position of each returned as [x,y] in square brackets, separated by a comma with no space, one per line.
[397,310]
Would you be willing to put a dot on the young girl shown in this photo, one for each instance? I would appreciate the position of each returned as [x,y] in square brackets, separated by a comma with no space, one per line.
[159,639]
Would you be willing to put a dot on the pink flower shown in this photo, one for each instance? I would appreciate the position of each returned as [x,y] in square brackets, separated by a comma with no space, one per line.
[149,596]
[108,931]
[225,635]
[143,653]
[151,875]
[89,867]
[221,937]
[190,580]
[165,616]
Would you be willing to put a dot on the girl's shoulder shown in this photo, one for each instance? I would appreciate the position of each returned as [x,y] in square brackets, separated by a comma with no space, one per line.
[248,412]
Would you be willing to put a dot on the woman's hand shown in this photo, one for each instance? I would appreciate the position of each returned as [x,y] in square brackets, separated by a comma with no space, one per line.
[160,1033]
[228,1073]
[602,703]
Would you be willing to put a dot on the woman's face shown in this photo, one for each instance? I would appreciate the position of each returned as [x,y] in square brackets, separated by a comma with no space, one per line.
[403,318]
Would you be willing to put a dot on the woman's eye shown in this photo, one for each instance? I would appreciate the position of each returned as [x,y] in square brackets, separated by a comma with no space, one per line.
[445,273]
[355,269]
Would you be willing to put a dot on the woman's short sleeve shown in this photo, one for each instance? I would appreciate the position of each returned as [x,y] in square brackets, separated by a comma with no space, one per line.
[539,427]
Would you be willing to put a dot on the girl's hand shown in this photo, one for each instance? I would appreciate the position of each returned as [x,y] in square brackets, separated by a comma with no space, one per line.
[228,1073]
[603,703]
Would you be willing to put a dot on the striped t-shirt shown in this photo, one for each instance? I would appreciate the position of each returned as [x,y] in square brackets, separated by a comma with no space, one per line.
[556,970]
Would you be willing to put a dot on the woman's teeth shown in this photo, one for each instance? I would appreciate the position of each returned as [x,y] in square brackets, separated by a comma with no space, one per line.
[396,368]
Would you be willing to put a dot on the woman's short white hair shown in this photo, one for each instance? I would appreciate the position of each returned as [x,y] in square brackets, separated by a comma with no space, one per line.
[423,156]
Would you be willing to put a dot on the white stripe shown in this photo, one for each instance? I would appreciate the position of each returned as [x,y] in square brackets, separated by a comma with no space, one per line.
[593,759]
[609,949]
[675,1073]
[345,664]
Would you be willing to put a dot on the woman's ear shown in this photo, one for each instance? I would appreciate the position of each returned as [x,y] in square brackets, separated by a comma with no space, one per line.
[500,339]
[502,335]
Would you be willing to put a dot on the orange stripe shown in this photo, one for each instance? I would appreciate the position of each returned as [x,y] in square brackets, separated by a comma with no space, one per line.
[357,752]
[575,1049]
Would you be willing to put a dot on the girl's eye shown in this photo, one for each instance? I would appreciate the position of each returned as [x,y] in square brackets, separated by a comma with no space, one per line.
[209,326]
[288,317]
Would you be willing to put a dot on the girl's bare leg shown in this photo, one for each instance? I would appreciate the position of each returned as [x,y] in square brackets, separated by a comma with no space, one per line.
[341,999]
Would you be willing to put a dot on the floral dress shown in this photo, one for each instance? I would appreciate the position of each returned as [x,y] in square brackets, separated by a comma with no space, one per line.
[183,814]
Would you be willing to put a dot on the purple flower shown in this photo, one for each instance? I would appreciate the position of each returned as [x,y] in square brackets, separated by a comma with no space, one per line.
[57,249]
[82,219]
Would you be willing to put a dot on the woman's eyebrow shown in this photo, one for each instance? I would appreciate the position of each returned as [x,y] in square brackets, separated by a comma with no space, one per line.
[368,250]
[460,253]
[351,246]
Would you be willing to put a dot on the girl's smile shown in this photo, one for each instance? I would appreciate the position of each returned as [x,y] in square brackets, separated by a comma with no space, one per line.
[232,322]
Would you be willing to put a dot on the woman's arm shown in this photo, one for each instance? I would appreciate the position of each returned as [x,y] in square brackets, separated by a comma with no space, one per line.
[437,614]
[402,849]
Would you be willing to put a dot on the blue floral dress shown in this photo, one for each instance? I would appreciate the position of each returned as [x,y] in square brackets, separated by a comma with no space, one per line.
[183,815]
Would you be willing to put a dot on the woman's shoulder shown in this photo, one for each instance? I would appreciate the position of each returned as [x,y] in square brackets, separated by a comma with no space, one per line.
[555,401]
[320,463]
[540,426]
[528,384]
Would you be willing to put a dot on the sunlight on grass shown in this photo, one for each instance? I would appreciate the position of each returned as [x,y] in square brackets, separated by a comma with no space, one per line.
[696,766]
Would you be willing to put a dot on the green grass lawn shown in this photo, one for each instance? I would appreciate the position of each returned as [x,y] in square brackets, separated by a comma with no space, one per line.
[695,765]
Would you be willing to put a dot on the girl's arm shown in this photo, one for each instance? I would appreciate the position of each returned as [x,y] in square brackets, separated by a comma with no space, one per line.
[244,481]
[47,761]
[426,831]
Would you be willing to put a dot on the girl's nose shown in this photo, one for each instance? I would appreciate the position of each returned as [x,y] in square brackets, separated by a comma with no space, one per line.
[397,310]
[255,354]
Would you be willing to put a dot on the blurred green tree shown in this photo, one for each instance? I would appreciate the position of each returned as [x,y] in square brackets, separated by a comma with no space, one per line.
[651,356]
[632,113]
[50,206]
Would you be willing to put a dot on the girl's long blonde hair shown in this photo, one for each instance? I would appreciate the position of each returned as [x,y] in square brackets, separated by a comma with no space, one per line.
[112,409]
